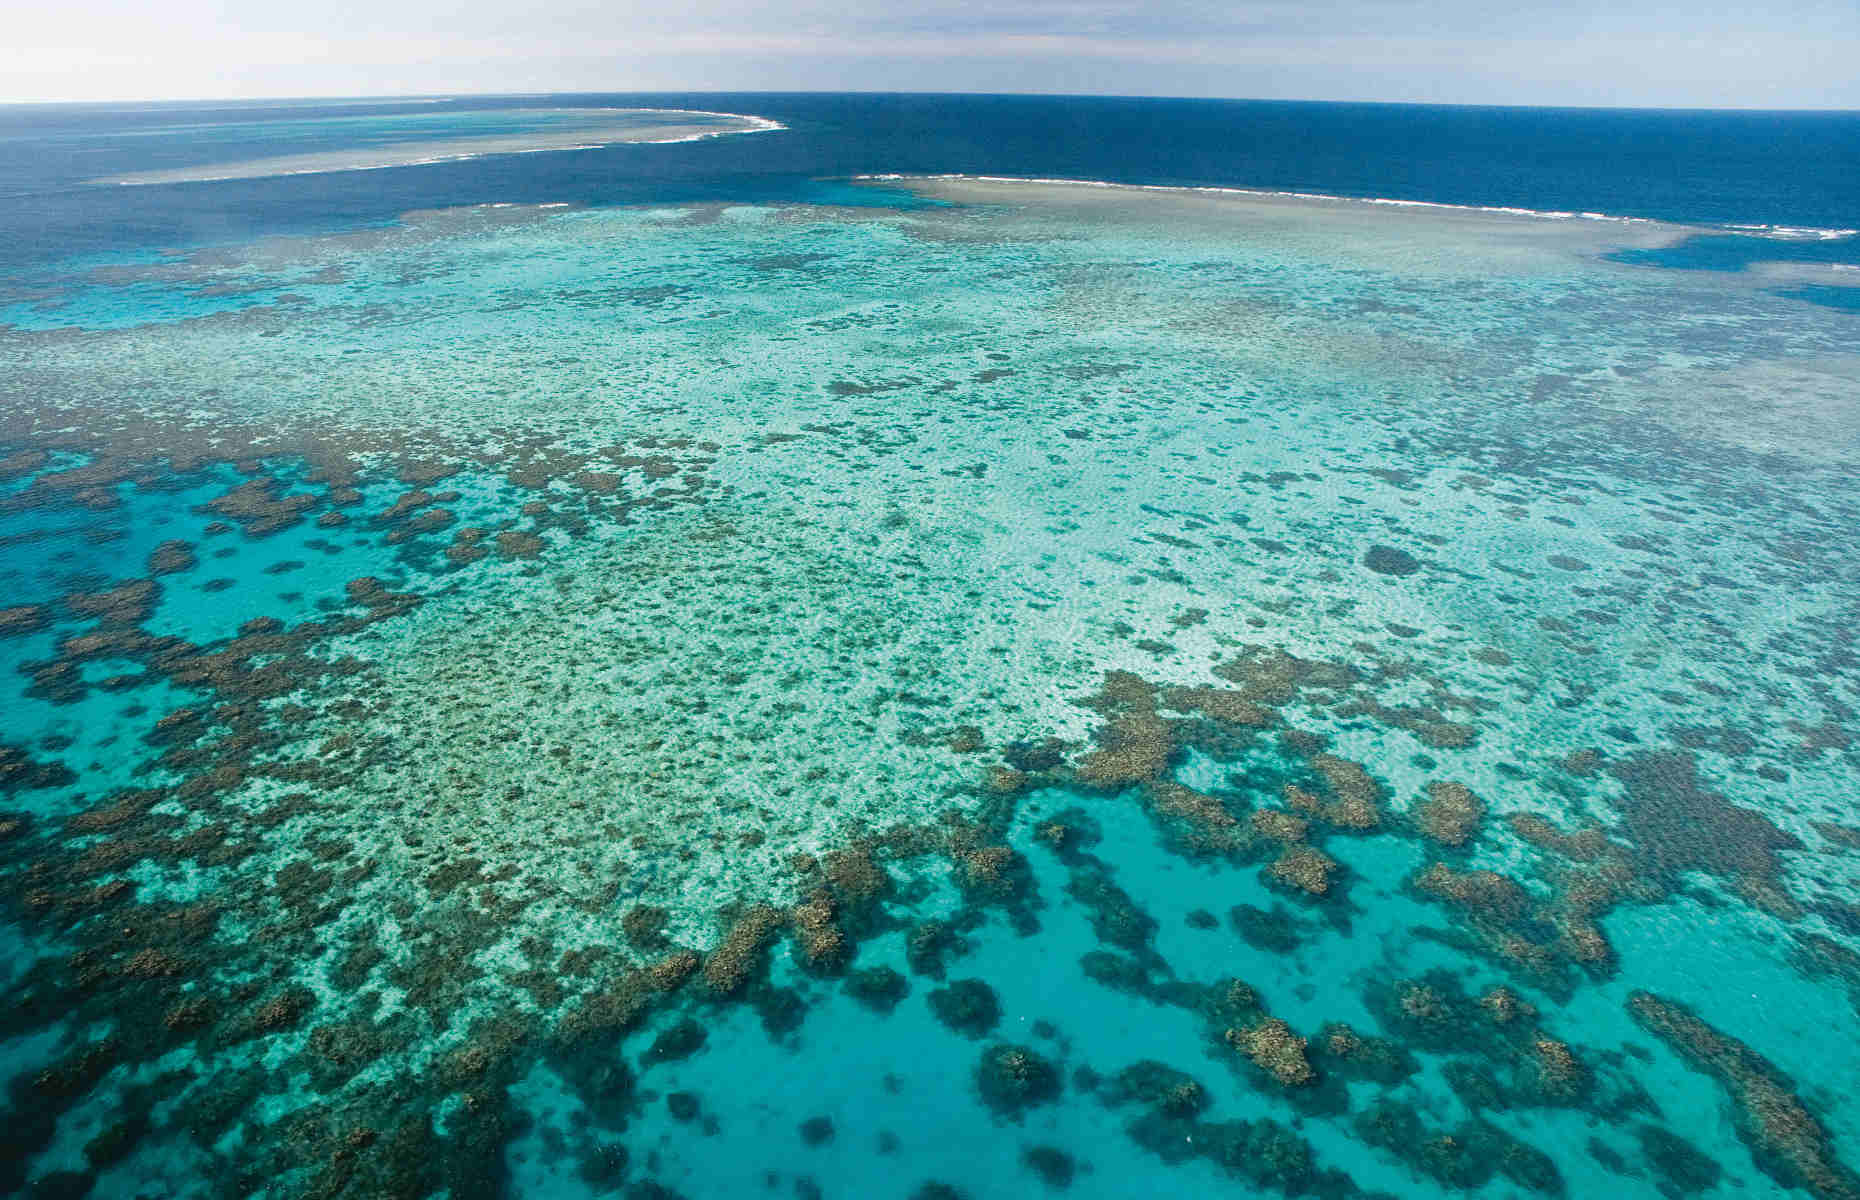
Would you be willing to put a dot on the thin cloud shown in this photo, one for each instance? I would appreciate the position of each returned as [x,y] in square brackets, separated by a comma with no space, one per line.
[1794,55]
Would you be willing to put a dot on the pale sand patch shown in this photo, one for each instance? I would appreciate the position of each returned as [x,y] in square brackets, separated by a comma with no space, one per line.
[1429,239]
[436,150]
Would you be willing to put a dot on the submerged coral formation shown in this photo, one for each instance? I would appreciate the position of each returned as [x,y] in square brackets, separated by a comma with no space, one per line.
[815,677]
[1787,1139]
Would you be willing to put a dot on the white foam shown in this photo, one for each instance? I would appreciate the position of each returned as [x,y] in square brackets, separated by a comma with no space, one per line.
[1794,233]
[756,124]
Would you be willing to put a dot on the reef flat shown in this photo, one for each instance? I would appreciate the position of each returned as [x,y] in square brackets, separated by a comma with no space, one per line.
[1074,688]
[527,131]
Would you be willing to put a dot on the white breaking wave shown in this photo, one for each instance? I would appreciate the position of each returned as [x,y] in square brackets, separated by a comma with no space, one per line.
[756,124]
[1794,233]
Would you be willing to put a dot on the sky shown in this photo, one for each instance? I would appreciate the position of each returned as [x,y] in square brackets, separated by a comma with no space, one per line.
[1791,54]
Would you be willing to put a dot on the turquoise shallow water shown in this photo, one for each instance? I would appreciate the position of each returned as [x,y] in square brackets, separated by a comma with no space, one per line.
[1031,687]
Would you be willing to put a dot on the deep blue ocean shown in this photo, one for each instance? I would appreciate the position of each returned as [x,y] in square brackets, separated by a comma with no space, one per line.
[1789,169]
[928,647]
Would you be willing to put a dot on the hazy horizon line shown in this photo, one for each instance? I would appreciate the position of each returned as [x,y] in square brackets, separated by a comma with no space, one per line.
[390,97]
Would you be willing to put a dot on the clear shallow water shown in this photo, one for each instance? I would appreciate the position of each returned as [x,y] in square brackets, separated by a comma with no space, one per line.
[850,700]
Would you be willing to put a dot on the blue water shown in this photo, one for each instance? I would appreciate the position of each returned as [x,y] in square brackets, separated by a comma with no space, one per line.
[677,670]
[1715,168]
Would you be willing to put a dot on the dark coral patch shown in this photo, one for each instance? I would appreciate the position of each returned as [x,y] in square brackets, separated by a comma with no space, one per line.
[967,1006]
[1012,1079]
[1675,824]
[1786,1139]
[22,619]
[171,557]
[1387,560]
[20,772]
[678,1041]
[877,988]
[1053,1166]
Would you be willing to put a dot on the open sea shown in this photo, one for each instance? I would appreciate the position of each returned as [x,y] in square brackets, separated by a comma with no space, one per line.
[841,647]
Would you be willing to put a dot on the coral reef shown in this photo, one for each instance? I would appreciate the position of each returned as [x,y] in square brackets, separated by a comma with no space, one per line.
[172,557]
[967,1006]
[1012,1079]
[1275,1049]
[1197,824]
[823,947]
[1053,1166]
[21,619]
[1274,930]
[20,772]
[1785,1137]
[1115,917]
[1160,1086]
[372,956]
[1345,1053]
[1388,560]
[1675,825]
[682,1039]
[260,507]
[993,873]
[644,926]
[1351,799]
[877,988]
[1451,813]
[1679,1166]
[1225,705]
[1135,744]
[741,951]
[928,944]
[1304,868]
